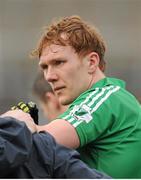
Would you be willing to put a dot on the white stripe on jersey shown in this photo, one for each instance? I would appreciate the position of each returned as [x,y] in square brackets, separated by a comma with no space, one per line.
[96,97]
[85,101]
[99,103]
[99,95]
[104,98]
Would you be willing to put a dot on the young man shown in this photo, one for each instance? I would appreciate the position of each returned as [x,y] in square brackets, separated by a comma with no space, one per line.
[103,121]
[48,101]
[23,155]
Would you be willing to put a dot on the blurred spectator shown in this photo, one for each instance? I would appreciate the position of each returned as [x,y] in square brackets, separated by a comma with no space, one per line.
[48,101]
[139,99]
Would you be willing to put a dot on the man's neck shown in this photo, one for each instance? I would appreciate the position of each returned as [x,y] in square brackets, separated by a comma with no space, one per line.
[97,77]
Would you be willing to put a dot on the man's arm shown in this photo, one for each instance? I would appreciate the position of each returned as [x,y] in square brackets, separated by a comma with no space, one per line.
[15,144]
[63,132]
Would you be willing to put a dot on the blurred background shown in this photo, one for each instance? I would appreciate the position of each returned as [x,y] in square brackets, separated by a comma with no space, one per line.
[21,23]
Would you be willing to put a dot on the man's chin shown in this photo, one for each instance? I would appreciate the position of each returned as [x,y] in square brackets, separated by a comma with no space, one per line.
[64,101]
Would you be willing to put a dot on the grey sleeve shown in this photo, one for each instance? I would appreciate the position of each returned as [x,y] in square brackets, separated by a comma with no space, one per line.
[14,146]
[61,162]
[69,165]
[23,155]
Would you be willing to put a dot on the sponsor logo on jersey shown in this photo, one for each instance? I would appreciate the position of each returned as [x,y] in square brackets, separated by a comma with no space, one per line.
[82,113]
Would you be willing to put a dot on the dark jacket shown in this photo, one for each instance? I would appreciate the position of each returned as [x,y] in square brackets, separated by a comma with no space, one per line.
[23,155]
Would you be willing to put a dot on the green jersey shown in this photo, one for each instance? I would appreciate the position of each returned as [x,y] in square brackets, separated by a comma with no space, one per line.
[107,119]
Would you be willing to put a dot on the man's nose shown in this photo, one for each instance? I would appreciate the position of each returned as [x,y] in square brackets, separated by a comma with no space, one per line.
[50,75]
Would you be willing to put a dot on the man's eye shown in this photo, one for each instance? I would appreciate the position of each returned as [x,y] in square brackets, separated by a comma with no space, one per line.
[44,67]
[59,63]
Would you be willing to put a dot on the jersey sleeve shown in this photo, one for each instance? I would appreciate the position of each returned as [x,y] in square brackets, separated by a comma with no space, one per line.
[90,114]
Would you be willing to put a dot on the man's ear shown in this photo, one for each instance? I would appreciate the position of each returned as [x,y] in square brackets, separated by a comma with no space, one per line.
[93,62]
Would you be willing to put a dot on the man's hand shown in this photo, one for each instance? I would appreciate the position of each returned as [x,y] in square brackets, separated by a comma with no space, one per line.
[22,116]
[30,108]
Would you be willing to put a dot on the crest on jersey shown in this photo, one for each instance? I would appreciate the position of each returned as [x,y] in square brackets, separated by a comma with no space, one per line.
[82,113]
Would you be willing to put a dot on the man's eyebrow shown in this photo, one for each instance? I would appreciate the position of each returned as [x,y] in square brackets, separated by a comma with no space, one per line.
[57,59]
[42,63]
